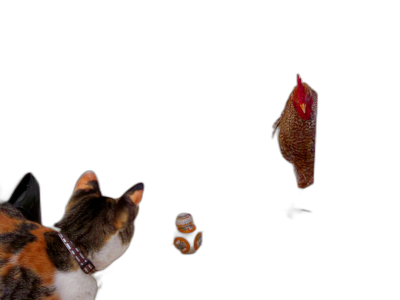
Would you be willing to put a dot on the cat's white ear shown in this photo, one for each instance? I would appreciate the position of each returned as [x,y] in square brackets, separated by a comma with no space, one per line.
[88,181]
[135,193]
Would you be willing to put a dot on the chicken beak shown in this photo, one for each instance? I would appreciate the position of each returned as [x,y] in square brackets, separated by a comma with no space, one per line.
[303,107]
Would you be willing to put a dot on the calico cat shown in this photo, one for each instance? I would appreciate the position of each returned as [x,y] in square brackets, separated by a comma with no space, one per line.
[40,263]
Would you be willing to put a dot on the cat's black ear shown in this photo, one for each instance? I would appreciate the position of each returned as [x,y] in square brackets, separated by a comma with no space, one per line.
[87,182]
[26,198]
[134,194]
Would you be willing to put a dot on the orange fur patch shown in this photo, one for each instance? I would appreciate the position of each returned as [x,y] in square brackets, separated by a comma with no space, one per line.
[4,256]
[32,257]
[35,258]
[82,183]
[7,224]
[136,197]
[122,219]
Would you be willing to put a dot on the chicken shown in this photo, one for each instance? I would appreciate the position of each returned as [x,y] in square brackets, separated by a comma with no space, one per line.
[297,128]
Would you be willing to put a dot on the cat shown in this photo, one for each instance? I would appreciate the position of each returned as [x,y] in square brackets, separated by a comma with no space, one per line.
[40,263]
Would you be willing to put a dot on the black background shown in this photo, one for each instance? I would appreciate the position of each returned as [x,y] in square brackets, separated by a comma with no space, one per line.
[190,114]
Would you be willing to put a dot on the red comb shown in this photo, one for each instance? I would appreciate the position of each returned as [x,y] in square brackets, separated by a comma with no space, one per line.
[300,90]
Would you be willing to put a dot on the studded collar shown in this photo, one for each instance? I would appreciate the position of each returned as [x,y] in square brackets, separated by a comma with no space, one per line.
[86,265]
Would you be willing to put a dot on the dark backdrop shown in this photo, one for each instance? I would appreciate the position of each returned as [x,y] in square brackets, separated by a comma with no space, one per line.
[193,121]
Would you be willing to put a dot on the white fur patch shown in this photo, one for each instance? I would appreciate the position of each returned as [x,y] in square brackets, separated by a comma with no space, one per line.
[75,285]
[110,252]
[80,286]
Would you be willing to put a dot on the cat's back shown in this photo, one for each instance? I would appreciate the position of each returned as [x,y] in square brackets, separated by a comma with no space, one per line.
[26,270]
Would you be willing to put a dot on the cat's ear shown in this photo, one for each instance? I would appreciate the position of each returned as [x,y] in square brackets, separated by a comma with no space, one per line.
[126,212]
[134,194]
[87,182]
[26,197]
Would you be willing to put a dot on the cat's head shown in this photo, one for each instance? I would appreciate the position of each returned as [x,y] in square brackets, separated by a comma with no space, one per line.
[100,226]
